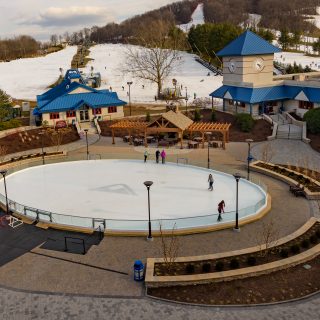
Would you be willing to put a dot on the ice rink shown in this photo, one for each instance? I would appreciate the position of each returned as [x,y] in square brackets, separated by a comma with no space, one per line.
[114,189]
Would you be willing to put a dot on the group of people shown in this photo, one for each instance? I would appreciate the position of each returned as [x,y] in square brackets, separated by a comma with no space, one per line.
[159,154]
[221,204]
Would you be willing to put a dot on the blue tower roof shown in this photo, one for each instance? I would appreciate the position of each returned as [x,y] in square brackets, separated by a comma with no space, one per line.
[247,44]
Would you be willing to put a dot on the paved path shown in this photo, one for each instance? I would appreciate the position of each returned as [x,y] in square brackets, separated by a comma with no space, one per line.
[24,306]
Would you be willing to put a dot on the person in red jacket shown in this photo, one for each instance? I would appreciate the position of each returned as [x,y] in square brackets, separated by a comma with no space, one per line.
[221,206]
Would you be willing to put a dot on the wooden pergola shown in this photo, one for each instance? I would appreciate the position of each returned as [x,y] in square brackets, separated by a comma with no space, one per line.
[172,122]
[204,127]
[129,125]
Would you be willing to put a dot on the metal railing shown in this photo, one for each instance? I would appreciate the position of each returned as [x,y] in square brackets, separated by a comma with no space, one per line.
[40,215]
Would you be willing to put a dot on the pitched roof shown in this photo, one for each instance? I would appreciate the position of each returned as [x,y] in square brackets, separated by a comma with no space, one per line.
[248,43]
[60,98]
[257,95]
[178,119]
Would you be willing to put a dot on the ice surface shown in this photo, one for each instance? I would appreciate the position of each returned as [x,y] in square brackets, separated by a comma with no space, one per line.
[25,78]
[114,189]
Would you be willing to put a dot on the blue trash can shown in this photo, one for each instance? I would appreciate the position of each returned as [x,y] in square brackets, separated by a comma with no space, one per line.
[138,270]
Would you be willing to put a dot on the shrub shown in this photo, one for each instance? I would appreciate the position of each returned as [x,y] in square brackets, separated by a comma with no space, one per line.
[284,253]
[234,263]
[206,267]
[295,249]
[318,233]
[305,243]
[251,261]
[148,117]
[190,268]
[313,239]
[312,117]
[13,123]
[197,115]
[245,122]
[213,116]
[219,266]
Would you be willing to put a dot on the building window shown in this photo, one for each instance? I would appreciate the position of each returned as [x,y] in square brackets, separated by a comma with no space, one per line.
[305,105]
[96,111]
[112,109]
[54,115]
[71,114]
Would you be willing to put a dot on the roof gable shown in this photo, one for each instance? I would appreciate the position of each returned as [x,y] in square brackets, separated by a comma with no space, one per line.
[301,96]
[248,43]
[177,119]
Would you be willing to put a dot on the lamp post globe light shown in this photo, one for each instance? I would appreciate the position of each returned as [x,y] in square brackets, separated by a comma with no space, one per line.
[41,134]
[148,184]
[129,83]
[249,158]
[86,133]
[3,173]
[237,176]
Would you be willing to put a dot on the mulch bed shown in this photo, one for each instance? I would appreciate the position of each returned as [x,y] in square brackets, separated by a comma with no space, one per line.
[260,132]
[291,283]
[14,142]
[300,244]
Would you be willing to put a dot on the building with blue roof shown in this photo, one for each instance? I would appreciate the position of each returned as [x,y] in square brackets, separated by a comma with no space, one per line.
[73,101]
[249,84]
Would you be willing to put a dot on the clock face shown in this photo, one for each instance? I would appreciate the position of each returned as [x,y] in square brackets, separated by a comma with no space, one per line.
[232,66]
[258,64]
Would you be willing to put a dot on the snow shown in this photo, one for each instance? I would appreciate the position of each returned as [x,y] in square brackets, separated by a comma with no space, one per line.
[315,19]
[25,78]
[299,58]
[110,58]
[114,189]
[197,17]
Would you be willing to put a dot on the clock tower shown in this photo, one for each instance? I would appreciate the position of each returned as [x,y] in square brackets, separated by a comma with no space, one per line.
[248,61]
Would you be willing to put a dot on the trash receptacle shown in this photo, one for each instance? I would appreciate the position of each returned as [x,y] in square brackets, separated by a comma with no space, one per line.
[138,270]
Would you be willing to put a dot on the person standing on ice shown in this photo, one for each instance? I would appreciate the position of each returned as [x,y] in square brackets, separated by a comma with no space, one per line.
[221,206]
[157,156]
[146,154]
[163,156]
[210,180]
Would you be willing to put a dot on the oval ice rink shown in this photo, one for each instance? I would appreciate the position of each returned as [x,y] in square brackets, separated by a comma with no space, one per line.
[114,189]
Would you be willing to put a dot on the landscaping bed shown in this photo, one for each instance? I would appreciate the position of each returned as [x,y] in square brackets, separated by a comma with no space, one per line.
[291,283]
[31,139]
[296,176]
[315,141]
[300,244]
[260,132]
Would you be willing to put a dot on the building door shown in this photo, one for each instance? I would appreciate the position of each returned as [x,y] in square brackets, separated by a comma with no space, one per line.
[84,114]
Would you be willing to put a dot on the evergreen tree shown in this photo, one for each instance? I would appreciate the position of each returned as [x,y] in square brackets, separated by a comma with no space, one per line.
[284,40]
[5,107]
[316,46]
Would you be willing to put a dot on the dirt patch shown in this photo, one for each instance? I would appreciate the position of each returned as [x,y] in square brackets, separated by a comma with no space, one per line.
[291,283]
[260,132]
[315,141]
[31,139]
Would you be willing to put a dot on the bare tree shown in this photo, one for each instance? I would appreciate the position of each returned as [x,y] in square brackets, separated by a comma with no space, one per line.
[268,237]
[3,152]
[54,39]
[267,152]
[56,135]
[169,247]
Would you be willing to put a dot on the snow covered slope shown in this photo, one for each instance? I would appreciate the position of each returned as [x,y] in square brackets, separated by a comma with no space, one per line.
[25,78]
[298,58]
[196,18]
[109,59]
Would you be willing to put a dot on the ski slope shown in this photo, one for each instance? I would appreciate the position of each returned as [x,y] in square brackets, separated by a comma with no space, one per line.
[25,78]
[197,17]
[109,60]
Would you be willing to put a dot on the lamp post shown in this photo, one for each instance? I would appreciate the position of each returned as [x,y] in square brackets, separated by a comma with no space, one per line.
[148,184]
[86,133]
[186,98]
[3,173]
[129,83]
[41,133]
[208,136]
[237,176]
[249,141]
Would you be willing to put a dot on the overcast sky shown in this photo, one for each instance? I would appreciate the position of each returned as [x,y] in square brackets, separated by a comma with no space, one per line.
[41,18]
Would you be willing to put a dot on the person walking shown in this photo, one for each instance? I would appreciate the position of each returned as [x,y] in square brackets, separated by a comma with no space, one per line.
[146,154]
[210,180]
[221,206]
[157,156]
[163,156]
